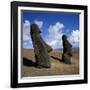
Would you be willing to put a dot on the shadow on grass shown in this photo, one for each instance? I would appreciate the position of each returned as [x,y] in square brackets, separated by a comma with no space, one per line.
[58,59]
[28,62]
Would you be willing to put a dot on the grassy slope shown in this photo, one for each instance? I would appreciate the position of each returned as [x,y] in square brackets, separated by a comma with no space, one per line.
[57,67]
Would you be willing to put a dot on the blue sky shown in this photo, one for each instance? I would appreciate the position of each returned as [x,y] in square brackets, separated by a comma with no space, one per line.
[53,25]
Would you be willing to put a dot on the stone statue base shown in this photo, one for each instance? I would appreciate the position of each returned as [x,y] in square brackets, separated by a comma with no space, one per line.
[66,58]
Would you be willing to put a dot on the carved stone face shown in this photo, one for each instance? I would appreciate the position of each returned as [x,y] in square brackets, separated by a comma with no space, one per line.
[64,37]
[35,29]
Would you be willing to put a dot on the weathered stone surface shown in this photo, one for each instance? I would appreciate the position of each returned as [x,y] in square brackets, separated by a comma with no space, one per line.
[41,49]
[67,47]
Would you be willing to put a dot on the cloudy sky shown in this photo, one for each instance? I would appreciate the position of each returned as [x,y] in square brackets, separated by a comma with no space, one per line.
[52,25]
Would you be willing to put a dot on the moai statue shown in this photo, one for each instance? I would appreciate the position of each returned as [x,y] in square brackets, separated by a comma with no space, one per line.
[66,57]
[41,49]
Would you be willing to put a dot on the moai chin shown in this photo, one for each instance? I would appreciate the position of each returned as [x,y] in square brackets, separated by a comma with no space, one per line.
[41,49]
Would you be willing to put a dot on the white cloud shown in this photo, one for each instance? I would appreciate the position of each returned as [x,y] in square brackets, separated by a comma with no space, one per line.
[75,37]
[27,42]
[26,28]
[54,38]
[39,23]
[26,37]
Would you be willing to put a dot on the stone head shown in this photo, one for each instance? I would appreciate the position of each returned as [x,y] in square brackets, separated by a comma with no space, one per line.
[35,29]
[64,37]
